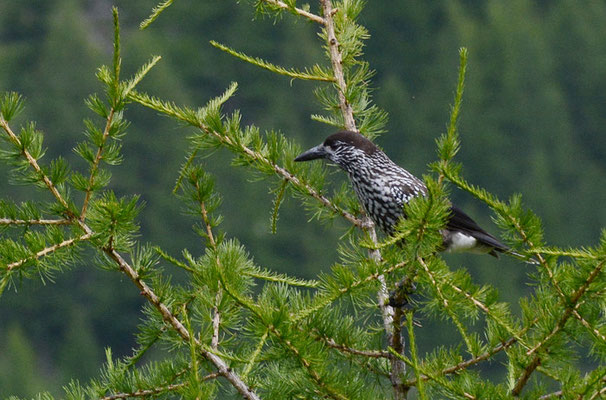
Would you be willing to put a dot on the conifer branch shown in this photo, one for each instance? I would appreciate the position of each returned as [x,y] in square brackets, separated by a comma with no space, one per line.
[555,394]
[34,164]
[434,377]
[8,221]
[214,342]
[158,390]
[253,357]
[573,304]
[415,360]
[223,369]
[336,60]
[587,325]
[146,392]
[316,74]
[469,362]
[448,309]
[173,111]
[146,291]
[476,302]
[330,342]
[600,392]
[325,300]
[156,11]
[310,16]
[47,251]
[326,390]
[95,164]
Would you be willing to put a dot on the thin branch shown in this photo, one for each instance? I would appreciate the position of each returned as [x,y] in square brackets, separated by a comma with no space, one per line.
[469,362]
[253,156]
[253,358]
[587,325]
[151,392]
[214,342]
[299,11]
[326,300]
[477,303]
[336,60]
[224,369]
[558,393]
[600,392]
[345,349]
[145,392]
[307,365]
[32,161]
[95,165]
[316,74]
[46,251]
[573,304]
[8,221]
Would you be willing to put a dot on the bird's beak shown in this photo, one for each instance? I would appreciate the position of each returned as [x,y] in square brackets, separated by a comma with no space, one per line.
[312,154]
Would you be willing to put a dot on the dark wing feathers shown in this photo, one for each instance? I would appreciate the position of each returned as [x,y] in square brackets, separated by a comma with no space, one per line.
[459,221]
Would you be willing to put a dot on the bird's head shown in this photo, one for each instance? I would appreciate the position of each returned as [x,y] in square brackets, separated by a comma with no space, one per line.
[346,149]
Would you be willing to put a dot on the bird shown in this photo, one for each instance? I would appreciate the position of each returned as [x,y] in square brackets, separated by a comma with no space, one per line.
[383,187]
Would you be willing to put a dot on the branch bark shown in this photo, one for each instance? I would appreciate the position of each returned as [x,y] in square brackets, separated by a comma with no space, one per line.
[299,11]
[391,324]
[8,221]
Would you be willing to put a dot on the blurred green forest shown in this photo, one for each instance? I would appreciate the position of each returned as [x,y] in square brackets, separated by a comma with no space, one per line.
[533,114]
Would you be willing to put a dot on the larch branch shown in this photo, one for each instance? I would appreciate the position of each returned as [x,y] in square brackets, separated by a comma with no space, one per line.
[299,11]
[8,221]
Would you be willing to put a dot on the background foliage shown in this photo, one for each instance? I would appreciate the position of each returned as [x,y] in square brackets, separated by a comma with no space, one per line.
[533,111]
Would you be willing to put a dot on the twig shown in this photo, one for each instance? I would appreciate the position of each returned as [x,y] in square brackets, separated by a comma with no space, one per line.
[7,221]
[307,365]
[450,312]
[303,13]
[214,342]
[559,393]
[587,325]
[34,164]
[343,291]
[145,392]
[599,392]
[224,369]
[477,303]
[150,392]
[253,358]
[172,111]
[337,65]
[573,304]
[469,362]
[95,166]
[364,353]
[47,251]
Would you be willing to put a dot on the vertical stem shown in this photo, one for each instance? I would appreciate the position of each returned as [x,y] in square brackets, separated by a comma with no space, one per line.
[391,323]
[337,65]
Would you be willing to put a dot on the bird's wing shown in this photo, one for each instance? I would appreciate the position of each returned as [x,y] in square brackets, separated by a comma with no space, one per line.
[459,221]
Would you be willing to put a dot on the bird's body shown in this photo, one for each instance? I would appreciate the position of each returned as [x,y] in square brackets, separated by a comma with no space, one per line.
[383,187]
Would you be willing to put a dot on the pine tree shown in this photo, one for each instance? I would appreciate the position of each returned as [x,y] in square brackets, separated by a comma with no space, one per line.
[233,328]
